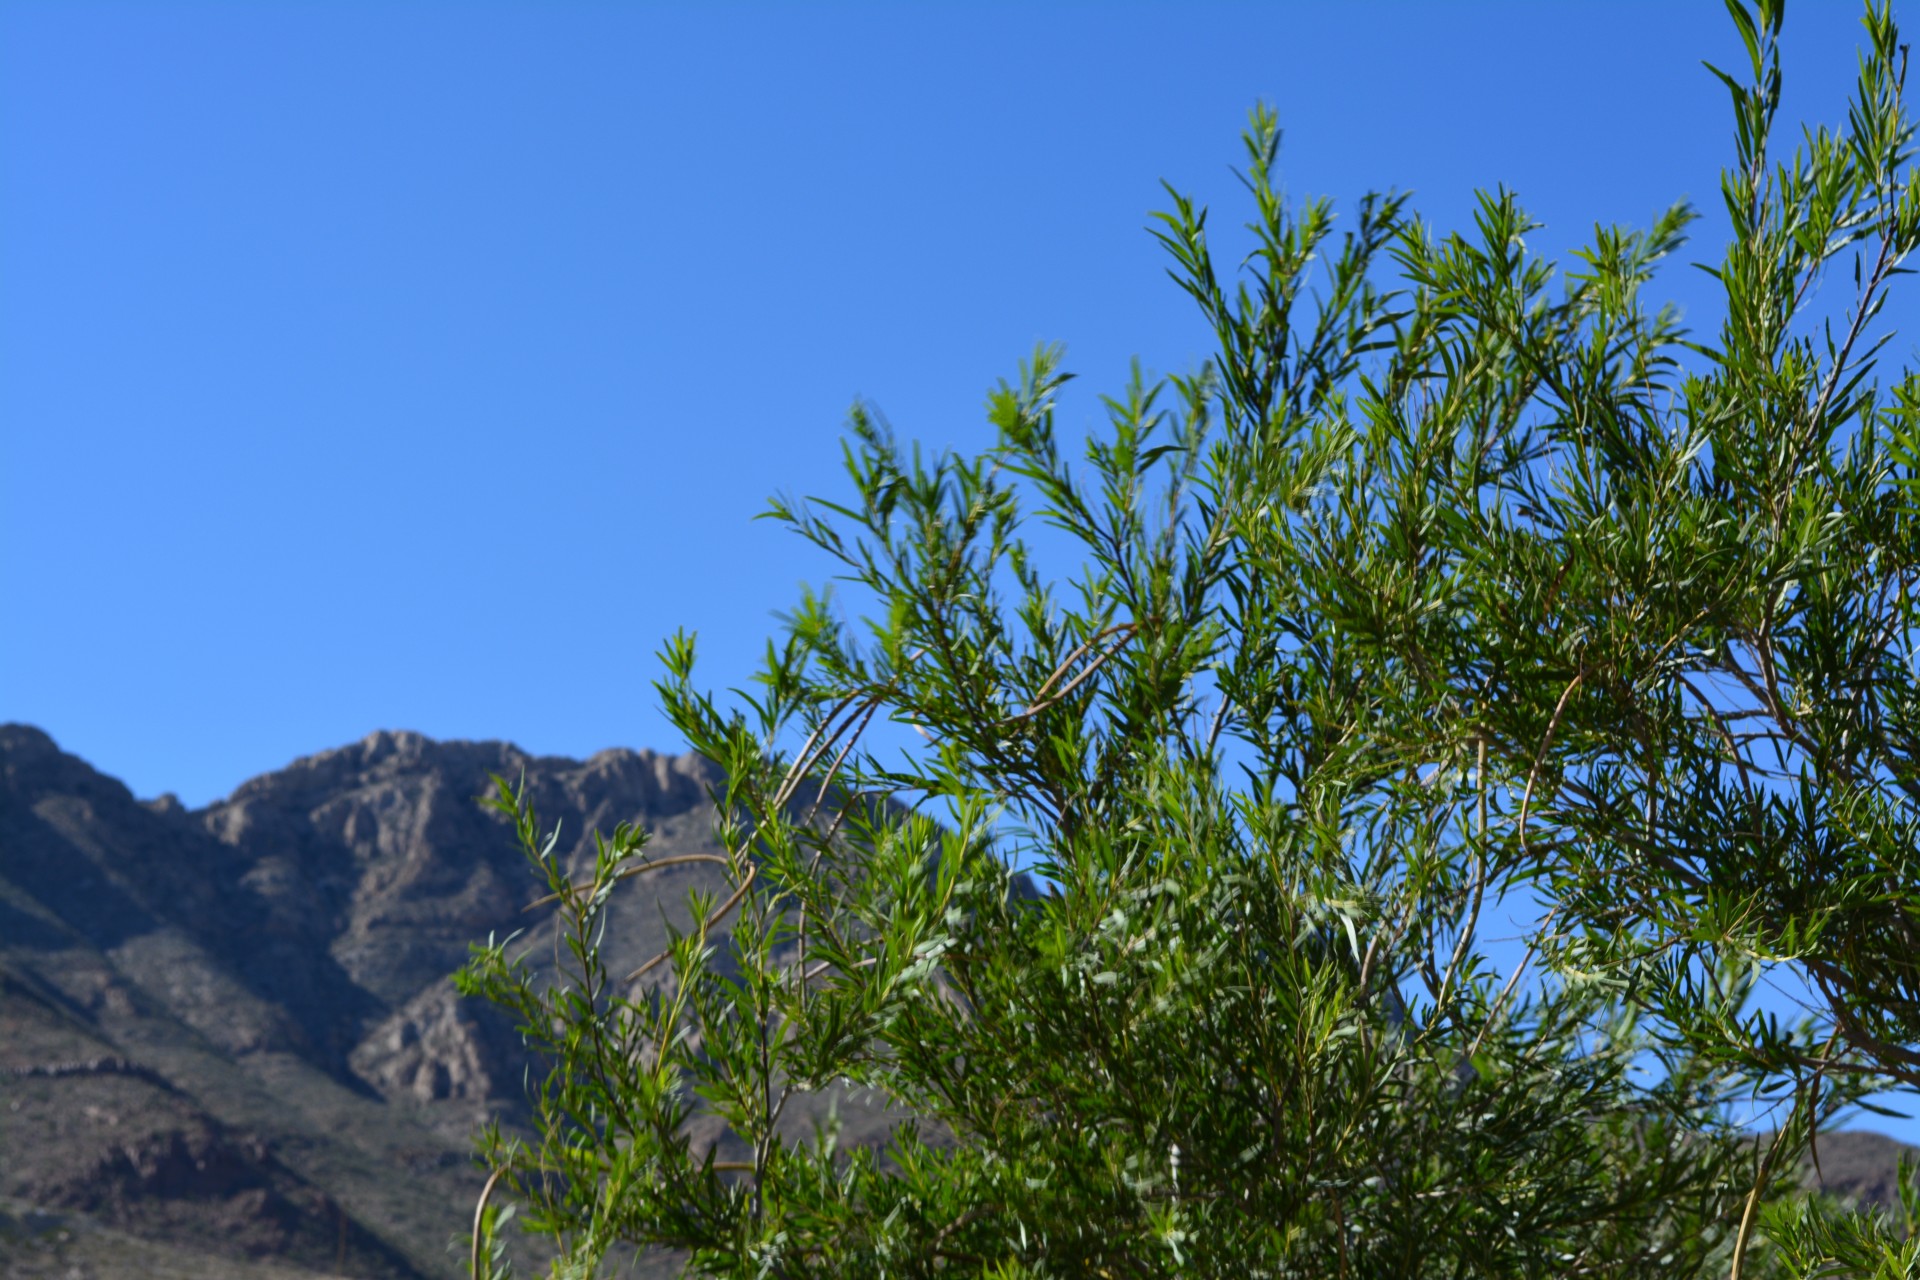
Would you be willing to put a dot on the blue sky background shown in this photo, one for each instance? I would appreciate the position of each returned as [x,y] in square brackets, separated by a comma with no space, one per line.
[421,365]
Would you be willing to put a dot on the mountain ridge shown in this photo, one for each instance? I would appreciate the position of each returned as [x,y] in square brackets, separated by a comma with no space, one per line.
[270,972]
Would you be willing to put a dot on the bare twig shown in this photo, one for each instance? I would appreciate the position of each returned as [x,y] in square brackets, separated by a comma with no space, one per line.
[1219,723]
[1726,736]
[480,1215]
[873,707]
[1126,632]
[1493,1011]
[1472,922]
[1761,1177]
[1540,756]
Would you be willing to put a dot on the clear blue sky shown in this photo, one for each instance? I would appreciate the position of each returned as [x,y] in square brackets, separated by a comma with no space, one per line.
[421,365]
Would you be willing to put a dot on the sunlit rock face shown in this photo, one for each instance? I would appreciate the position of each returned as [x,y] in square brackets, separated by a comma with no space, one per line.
[438,1047]
[378,861]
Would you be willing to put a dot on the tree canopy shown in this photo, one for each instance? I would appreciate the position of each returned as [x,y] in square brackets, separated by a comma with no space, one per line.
[1453,579]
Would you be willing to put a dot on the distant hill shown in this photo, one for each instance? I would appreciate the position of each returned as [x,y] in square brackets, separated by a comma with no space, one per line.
[228,1042]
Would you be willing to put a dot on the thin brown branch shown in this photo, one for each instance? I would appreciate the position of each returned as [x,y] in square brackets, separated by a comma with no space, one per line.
[677,859]
[1726,735]
[1472,922]
[480,1216]
[1540,756]
[826,784]
[1506,992]
[1761,1177]
[1126,631]
[719,914]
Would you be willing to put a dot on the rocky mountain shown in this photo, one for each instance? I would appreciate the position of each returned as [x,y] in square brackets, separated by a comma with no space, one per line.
[229,1046]
[231,1032]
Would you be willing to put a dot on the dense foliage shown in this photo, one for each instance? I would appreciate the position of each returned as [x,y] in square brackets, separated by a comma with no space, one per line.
[1451,581]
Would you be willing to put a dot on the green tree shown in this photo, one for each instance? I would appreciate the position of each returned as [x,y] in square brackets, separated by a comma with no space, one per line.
[1683,621]
[1450,580]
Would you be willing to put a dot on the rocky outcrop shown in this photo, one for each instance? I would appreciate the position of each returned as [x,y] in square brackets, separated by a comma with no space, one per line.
[194,1183]
[105,1065]
[112,1138]
[381,856]
[438,1047]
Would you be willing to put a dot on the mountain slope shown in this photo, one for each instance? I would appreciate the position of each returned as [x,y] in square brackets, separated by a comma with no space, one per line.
[266,980]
